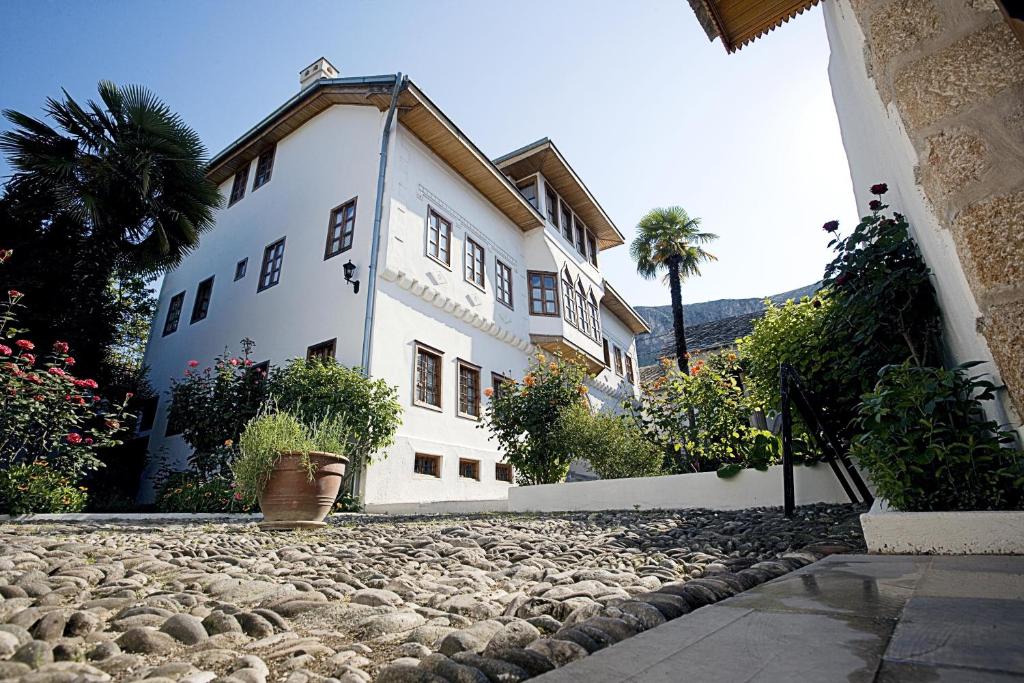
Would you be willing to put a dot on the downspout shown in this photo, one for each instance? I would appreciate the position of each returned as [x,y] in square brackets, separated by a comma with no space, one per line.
[378,211]
[371,285]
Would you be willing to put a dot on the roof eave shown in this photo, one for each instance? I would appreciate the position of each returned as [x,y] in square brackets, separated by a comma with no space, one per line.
[614,302]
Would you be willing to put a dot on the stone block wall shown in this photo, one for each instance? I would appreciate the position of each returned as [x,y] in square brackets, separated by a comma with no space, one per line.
[954,72]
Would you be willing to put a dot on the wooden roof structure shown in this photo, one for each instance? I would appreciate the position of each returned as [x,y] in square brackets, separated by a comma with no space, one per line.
[543,157]
[614,302]
[415,112]
[739,22]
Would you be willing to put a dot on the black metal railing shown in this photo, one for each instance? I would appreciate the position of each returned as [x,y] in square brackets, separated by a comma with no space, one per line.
[794,393]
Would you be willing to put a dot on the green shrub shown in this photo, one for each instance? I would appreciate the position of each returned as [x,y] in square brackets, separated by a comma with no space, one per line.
[193,492]
[524,417]
[926,444]
[614,445]
[38,488]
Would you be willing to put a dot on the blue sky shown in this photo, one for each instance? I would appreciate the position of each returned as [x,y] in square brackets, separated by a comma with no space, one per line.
[647,111]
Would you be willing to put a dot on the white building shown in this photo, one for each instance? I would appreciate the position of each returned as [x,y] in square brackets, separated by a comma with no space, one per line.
[479,264]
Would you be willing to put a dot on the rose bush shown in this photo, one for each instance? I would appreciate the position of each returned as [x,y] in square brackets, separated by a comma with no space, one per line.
[36,487]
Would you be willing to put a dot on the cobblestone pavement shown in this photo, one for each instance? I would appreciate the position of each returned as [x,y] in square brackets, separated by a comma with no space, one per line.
[453,598]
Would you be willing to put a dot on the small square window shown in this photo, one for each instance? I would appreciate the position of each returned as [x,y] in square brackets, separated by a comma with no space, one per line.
[201,306]
[322,352]
[174,313]
[240,268]
[264,167]
[543,293]
[469,469]
[503,472]
[427,465]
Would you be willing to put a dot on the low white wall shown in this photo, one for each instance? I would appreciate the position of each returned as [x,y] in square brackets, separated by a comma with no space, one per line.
[890,532]
[749,488]
[440,507]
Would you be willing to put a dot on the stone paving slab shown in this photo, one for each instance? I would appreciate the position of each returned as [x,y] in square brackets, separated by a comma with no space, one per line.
[845,618]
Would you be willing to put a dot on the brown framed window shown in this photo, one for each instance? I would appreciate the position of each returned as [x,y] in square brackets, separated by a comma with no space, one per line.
[428,376]
[607,356]
[581,298]
[341,229]
[569,299]
[201,306]
[543,293]
[581,239]
[469,469]
[592,248]
[566,222]
[618,361]
[474,265]
[264,168]
[270,271]
[503,472]
[240,268]
[595,318]
[529,190]
[174,313]
[630,376]
[469,390]
[439,237]
[497,384]
[503,283]
[238,184]
[427,465]
[551,205]
[323,352]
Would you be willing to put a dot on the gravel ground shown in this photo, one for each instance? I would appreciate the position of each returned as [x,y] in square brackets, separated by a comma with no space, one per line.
[452,598]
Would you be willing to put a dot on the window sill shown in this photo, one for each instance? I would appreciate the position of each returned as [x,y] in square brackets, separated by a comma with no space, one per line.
[462,478]
[430,477]
[439,262]
[428,406]
[467,416]
[475,285]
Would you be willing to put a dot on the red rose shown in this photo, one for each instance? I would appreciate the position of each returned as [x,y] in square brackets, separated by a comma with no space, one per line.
[5,350]
[96,398]
[879,189]
[193,364]
[233,361]
[38,397]
[60,347]
[24,345]
[88,441]
[69,361]
[128,396]
[28,358]
[73,438]
[56,371]
[91,383]
[15,294]
[831,226]
[248,363]
[875,205]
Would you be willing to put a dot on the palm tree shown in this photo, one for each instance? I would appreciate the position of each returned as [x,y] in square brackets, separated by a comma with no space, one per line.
[669,239]
[127,170]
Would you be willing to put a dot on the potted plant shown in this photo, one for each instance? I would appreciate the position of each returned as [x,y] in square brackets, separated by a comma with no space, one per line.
[294,470]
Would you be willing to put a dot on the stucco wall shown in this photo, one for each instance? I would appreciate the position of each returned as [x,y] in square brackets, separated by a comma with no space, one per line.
[930,98]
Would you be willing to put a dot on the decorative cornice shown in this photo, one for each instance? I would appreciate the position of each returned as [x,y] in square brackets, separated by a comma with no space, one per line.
[429,293]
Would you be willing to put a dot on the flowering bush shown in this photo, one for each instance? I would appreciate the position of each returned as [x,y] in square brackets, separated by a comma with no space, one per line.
[193,492]
[37,487]
[524,419]
[211,406]
[46,412]
[614,445]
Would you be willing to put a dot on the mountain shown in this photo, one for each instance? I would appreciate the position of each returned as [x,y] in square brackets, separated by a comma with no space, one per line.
[650,346]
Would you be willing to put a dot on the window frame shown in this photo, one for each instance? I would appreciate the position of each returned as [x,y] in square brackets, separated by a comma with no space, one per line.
[435,459]
[551,205]
[203,290]
[594,311]
[580,235]
[630,376]
[566,217]
[607,352]
[256,182]
[476,468]
[340,239]
[619,370]
[592,248]
[460,365]
[239,183]
[313,352]
[497,379]
[529,286]
[241,269]
[269,249]
[431,211]
[479,263]
[569,296]
[418,348]
[532,180]
[178,299]
[498,466]
[501,283]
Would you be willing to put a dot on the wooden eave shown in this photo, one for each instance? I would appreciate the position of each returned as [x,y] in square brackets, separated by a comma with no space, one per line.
[416,113]
[739,22]
[565,348]
[614,302]
[543,157]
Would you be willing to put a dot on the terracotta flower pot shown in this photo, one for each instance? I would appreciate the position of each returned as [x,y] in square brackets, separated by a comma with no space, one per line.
[291,501]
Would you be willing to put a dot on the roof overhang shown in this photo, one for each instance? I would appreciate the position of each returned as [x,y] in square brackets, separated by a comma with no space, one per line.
[614,302]
[415,112]
[543,157]
[738,22]
[566,349]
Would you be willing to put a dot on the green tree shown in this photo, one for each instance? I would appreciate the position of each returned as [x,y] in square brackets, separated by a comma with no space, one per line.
[669,240]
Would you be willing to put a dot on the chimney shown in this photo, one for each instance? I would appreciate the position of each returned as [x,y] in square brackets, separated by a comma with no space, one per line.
[319,69]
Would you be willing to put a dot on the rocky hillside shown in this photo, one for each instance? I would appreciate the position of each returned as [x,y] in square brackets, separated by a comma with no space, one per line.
[660,317]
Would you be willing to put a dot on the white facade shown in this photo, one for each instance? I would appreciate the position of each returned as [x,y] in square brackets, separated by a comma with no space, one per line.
[330,159]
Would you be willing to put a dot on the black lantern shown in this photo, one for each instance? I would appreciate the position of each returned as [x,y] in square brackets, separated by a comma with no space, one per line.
[350,271]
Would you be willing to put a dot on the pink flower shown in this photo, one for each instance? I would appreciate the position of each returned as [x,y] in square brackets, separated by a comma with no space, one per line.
[879,188]
[73,438]
[233,361]
[248,363]
[28,358]
[15,294]
[238,496]
[90,383]
[88,441]
[24,345]
[128,396]
[193,364]
[69,361]
[5,350]
[57,371]
[96,398]
[60,347]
